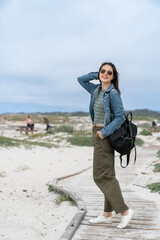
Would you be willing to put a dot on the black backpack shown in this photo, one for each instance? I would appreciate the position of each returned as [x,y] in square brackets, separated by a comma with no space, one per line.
[123,139]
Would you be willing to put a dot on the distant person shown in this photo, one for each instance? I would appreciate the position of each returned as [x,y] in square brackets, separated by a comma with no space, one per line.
[46,121]
[104,156]
[154,124]
[30,123]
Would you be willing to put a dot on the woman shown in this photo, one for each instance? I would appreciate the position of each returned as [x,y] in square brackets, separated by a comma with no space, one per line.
[30,123]
[103,158]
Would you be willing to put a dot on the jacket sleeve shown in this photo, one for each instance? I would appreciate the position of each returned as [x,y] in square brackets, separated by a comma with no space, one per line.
[85,81]
[118,113]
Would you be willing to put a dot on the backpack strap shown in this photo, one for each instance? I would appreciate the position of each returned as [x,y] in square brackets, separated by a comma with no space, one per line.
[128,158]
[135,156]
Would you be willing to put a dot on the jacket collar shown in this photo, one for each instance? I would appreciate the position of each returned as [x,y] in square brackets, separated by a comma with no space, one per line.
[108,89]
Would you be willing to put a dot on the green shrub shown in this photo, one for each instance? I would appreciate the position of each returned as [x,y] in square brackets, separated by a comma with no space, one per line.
[50,188]
[62,196]
[145,132]
[158,154]
[62,128]
[154,187]
[81,140]
[158,138]
[37,135]
[157,167]
[139,142]
[9,142]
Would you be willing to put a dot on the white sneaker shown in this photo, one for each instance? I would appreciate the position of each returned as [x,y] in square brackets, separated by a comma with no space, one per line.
[101,219]
[114,214]
[126,219]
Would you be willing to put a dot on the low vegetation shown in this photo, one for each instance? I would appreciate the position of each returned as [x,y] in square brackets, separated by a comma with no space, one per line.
[139,142]
[81,139]
[145,132]
[61,128]
[11,142]
[158,154]
[62,196]
[37,135]
[157,167]
[50,188]
[154,187]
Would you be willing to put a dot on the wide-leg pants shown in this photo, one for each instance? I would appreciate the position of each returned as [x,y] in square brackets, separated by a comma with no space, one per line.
[104,174]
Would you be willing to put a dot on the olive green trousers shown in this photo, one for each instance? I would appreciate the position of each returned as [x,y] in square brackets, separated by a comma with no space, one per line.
[104,174]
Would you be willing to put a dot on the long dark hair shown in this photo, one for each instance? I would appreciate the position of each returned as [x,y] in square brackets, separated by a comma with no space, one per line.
[115,80]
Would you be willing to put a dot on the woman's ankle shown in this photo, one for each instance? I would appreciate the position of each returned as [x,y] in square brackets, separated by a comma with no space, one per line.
[107,214]
[125,212]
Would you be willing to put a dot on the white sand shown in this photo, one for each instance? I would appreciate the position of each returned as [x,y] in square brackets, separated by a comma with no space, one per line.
[28,210]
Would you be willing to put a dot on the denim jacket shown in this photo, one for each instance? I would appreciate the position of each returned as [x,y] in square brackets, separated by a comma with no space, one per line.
[117,109]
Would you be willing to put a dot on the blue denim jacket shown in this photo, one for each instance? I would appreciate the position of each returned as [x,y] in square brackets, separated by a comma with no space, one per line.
[117,109]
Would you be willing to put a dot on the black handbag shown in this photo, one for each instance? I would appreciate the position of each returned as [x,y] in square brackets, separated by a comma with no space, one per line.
[123,139]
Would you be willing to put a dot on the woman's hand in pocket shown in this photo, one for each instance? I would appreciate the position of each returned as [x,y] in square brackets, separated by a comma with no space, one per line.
[99,134]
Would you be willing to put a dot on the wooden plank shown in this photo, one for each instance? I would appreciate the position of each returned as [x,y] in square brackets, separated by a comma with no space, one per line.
[144,225]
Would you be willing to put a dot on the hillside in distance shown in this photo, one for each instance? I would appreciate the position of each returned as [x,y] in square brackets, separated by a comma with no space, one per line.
[145,113]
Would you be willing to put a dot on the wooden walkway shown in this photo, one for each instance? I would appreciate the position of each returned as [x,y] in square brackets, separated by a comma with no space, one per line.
[144,225]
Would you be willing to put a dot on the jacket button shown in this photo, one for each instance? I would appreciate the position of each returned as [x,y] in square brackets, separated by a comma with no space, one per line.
[107,108]
[104,100]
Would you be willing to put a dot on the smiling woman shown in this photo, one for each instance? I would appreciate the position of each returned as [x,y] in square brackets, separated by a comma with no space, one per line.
[103,96]
[108,73]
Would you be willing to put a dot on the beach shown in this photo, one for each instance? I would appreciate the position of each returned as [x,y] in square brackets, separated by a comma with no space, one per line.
[28,209]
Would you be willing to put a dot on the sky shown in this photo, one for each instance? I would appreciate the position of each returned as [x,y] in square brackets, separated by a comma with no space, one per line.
[46,44]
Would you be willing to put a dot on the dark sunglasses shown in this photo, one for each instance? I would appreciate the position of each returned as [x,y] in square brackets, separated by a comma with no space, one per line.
[108,72]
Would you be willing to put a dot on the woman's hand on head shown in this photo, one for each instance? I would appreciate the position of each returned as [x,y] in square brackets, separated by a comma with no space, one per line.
[99,134]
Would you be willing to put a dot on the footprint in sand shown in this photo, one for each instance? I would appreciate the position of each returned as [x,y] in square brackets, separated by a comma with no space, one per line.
[3,174]
[22,168]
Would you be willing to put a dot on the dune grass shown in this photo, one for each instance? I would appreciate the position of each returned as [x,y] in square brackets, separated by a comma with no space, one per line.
[62,196]
[81,139]
[139,142]
[157,167]
[37,135]
[154,187]
[158,154]
[145,132]
[61,128]
[11,142]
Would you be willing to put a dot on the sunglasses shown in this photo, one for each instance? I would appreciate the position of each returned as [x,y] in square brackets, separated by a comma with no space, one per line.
[108,72]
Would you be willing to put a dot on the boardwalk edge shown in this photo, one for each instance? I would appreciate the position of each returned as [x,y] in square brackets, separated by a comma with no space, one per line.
[76,220]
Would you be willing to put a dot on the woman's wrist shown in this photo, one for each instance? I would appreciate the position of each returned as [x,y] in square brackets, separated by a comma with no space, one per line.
[100,134]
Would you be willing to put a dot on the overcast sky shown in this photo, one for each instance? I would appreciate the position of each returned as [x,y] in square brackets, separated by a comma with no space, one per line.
[46,44]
